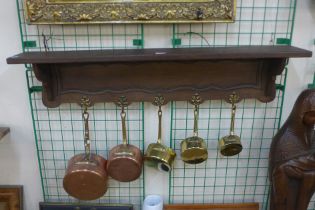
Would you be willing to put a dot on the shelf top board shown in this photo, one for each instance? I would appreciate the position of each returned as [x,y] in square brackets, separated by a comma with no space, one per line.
[163,54]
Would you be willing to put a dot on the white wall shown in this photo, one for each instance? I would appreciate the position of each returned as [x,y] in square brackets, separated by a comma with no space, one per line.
[301,71]
[18,160]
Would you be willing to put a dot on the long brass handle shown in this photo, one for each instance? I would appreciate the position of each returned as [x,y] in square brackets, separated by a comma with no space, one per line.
[233,119]
[85,116]
[123,124]
[122,102]
[196,115]
[160,125]
[234,98]
[159,101]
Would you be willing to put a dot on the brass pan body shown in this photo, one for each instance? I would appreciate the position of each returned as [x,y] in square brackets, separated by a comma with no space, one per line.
[230,145]
[160,156]
[194,150]
[86,180]
[124,163]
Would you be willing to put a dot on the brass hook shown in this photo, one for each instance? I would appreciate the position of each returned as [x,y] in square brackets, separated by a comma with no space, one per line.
[85,103]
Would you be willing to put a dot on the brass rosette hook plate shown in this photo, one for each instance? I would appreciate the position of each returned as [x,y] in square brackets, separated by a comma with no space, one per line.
[231,145]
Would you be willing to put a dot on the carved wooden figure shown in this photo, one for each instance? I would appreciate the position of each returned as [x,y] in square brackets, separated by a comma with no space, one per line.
[292,157]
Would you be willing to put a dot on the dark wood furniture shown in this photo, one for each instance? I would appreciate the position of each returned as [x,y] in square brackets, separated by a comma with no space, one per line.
[234,206]
[292,157]
[11,197]
[80,206]
[141,74]
[4,131]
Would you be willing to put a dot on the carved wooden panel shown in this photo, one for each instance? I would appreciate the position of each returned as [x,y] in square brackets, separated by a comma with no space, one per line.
[142,81]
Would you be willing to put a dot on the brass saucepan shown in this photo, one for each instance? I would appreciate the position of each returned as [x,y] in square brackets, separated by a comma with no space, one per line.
[194,149]
[157,154]
[125,160]
[86,177]
[231,145]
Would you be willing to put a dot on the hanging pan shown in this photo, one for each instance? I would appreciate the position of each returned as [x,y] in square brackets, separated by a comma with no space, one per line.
[125,160]
[231,145]
[194,149]
[86,177]
[158,155]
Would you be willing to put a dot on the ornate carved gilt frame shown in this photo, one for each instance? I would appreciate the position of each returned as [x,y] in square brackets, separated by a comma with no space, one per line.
[129,11]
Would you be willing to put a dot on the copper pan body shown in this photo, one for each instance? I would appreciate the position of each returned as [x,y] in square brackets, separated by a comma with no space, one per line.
[86,180]
[124,163]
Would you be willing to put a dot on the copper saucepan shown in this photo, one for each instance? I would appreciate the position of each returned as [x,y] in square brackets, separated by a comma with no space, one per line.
[125,160]
[86,177]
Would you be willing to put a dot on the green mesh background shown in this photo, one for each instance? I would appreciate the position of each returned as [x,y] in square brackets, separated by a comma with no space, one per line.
[237,179]
[59,136]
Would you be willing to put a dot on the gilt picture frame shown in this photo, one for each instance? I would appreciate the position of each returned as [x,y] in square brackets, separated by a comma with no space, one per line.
[11,197]
[128,11]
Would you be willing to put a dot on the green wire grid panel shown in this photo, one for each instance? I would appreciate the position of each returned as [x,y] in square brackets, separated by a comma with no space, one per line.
[59,132]
[258,22]
[59,136]
[236,179]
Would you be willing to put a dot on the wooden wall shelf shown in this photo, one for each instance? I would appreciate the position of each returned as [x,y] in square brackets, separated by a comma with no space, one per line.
[177,74]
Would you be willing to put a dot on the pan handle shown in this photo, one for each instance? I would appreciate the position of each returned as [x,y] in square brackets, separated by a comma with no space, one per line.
[196,101]
[196,113]
[232,119]
[122,102]
[123,124]
[159,101]
[233,99]
[160,125]
[85,115]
